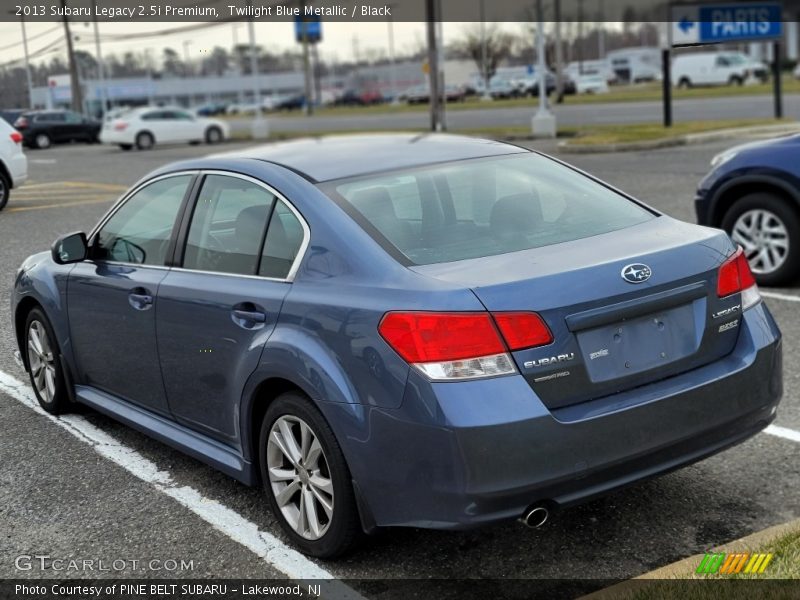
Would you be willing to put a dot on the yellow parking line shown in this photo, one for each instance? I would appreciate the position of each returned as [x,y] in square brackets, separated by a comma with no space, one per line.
[80,184]
[62,200]
[60,205]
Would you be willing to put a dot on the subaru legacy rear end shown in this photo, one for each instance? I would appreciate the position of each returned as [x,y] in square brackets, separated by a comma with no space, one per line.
[604,343]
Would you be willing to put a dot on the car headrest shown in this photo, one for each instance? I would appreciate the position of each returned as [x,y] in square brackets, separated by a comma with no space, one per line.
[515,214]
[250,226]
[374,203]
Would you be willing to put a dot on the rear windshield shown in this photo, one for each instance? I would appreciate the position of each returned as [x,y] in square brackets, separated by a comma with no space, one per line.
[477,208]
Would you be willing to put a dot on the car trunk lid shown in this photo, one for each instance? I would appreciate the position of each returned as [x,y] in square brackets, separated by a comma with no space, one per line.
[625,308]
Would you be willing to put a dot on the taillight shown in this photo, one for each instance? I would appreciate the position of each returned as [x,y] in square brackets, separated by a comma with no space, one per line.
[120,126]
[21,123]
[522,329]
[447,346]
[735,276]
[16,137]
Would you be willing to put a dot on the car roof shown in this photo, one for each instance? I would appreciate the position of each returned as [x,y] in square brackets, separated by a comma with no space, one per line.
[339,157]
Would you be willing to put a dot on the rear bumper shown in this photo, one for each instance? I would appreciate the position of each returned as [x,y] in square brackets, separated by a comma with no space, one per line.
[457,455]
[18,169]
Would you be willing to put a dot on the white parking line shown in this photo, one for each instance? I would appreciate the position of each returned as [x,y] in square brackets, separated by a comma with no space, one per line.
[262,543]
[778,296]
[784,432]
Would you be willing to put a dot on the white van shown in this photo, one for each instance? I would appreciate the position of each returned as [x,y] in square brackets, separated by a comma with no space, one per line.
[711,68]
[635,65]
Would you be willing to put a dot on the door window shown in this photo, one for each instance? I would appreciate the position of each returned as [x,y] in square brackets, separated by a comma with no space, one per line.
[139,232]
[284,240]
[228,226]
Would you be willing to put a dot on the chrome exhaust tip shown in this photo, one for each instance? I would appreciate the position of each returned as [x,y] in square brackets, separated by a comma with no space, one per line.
[535,517]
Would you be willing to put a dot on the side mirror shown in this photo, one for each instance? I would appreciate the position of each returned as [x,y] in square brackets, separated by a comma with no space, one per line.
[70,248]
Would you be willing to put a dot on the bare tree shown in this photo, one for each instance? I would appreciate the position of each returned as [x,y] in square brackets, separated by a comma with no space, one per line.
[498,44]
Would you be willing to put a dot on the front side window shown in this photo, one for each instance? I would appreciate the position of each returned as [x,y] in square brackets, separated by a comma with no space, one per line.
[476,208]
[139,231]
[228,226]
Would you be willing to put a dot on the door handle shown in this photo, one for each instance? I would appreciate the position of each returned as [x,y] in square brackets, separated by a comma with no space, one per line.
[140,298]
[250,315]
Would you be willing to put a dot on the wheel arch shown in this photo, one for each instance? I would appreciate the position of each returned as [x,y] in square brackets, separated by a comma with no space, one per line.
[731,191]
[4,172]
[25,306]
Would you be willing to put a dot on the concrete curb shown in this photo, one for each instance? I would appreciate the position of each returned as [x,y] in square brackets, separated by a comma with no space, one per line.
[680,140]
[679,569]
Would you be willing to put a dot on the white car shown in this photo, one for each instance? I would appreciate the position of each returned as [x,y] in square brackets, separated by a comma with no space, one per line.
[712,68]
[591,84]
[146,127]
[13,163]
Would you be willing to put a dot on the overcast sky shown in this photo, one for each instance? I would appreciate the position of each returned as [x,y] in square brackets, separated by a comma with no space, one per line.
[337,37]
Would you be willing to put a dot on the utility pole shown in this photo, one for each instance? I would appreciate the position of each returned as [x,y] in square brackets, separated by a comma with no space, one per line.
[101,68]
[306,59]
[440,61]
[27,63]
[580,37]
[392,73]
[559,55]
[543,123]
[75,84]
[433,64]
[601,33]
[484,67]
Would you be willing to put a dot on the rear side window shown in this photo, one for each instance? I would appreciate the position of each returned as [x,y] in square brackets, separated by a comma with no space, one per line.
[228,226]
[476,208]
[284,240]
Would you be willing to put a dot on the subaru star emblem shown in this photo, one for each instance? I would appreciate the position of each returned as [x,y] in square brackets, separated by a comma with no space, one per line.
[636,273]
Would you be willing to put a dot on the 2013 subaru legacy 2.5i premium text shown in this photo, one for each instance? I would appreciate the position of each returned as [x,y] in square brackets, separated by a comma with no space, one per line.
[429,331]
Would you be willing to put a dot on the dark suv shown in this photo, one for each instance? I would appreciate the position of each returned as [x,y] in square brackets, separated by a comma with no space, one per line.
[43,128]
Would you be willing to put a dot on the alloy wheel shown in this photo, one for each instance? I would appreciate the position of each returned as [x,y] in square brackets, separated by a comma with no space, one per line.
[300,477]
[41,359]
[764,238]
[42,141]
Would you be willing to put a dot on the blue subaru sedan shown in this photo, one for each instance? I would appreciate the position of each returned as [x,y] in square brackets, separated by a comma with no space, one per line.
[399,330]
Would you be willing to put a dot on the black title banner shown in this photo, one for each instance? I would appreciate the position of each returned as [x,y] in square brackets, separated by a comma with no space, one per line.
[349,10]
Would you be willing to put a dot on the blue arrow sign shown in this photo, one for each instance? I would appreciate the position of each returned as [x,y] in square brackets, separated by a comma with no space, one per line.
[694,24]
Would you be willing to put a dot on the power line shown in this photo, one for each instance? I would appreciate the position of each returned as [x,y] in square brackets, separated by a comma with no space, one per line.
[31,38]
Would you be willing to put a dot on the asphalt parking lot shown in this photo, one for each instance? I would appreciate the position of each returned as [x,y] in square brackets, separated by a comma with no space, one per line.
[67,498]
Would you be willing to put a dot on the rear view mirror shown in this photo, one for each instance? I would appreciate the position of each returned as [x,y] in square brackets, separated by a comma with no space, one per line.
[70,248]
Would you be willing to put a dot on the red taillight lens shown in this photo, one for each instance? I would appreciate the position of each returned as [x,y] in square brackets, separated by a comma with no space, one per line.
[421,337]
[522,329]
[120,126]
[734,275]
[16,137]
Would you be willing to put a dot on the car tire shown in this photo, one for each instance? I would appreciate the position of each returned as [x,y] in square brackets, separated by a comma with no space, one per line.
[748,216]
[145,141]
[214,135]
[44,363]
[126,147]
[684,83]
[736,80]
[324,534]
[42,141]
[5,190]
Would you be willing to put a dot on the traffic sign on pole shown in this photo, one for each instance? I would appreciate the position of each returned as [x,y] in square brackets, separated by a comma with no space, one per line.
[695,24]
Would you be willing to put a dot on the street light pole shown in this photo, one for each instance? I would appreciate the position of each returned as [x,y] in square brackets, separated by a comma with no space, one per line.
[27,63]
[543,123]
[186,70]
[260,128]
[484,68]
